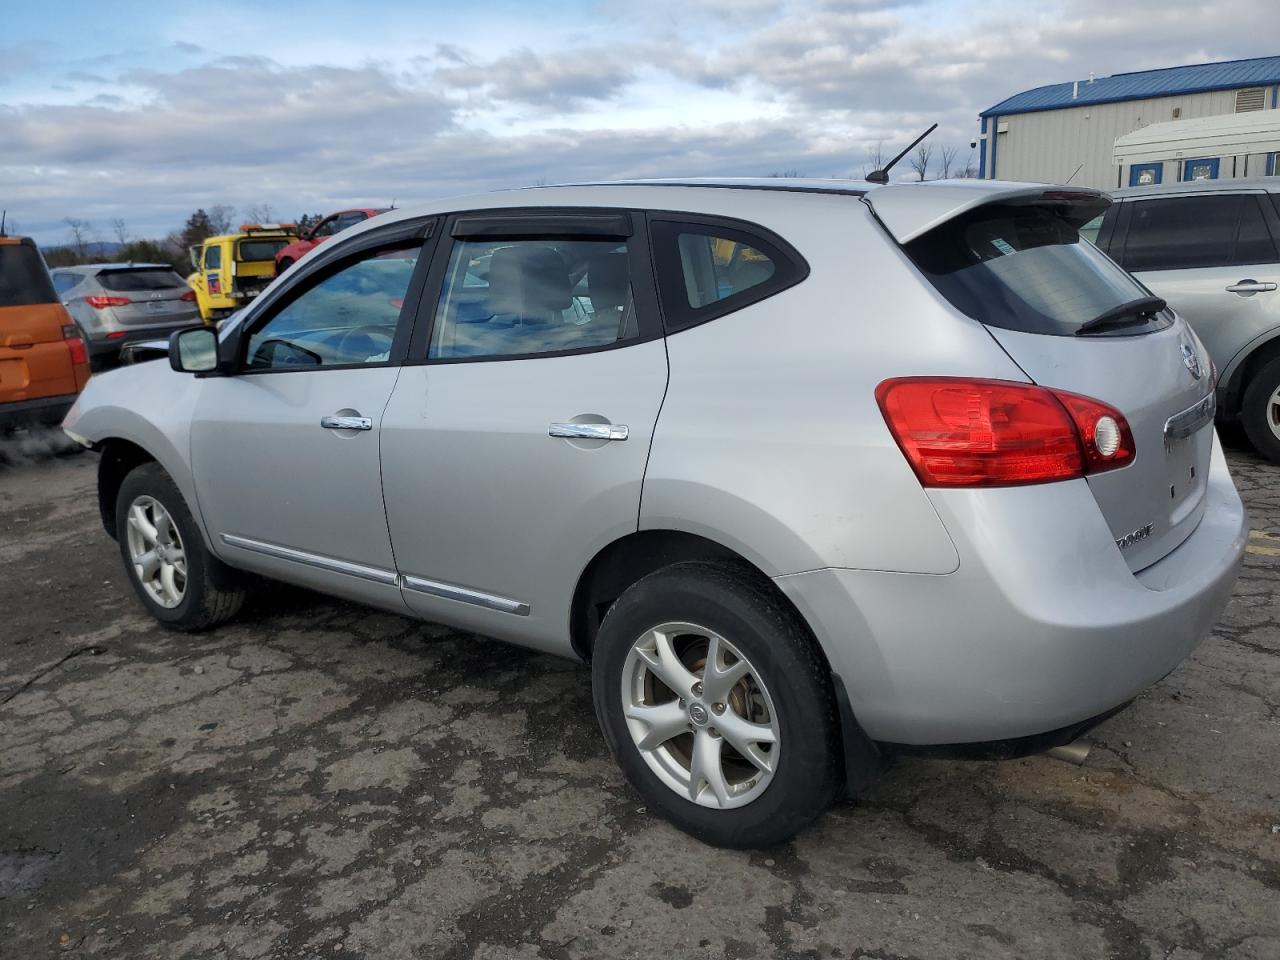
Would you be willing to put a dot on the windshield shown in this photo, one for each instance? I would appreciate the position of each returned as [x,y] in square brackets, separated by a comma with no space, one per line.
[1025,268]
[24,281]
[134,280]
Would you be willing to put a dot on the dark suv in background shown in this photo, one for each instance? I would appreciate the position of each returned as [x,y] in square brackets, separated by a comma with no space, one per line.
[1211,248]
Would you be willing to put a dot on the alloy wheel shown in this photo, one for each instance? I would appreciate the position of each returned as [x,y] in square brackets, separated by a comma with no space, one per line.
[700,715]
[159,558]
[1273,412]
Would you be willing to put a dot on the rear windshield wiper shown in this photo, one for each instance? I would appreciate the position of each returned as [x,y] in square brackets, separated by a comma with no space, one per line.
[1131,311]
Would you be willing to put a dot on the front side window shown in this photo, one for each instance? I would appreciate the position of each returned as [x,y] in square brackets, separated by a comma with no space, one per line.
[346,317]
[348,220]
[507,298]
[212,258]
[1023,268]
[1180,233]
[325,228]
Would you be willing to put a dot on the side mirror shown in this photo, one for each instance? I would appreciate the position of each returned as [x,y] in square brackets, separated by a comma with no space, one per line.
[194,350]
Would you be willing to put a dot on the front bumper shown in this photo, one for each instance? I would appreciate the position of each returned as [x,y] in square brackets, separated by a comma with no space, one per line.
[1042,626]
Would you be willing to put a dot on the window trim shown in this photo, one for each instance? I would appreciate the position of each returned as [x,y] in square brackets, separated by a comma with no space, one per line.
[334,260]
[666,226]
[519,224]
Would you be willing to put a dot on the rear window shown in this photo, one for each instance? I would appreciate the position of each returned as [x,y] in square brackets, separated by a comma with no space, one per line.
[24,280]
[261,249]
[1026,268]
[134,280]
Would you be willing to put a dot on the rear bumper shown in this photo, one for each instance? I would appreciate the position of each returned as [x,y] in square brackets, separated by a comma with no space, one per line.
[45,411]
[1042,626]
[99,345]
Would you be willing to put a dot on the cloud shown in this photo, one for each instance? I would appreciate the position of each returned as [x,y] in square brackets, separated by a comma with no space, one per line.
[563,80]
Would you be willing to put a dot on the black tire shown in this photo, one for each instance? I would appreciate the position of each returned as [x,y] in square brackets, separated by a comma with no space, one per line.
[734,601]
[213,591]
[1254,409]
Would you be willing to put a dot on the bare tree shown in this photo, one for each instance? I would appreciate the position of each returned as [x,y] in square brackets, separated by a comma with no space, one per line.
[875,158]
[947,156]
[220,217]
[79,235]
[120,230]
[789,174]
[259,213]
[920,162]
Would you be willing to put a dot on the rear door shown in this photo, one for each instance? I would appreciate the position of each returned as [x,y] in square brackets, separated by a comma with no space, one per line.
[514,445]
[1021,267]
[35,361]
[1214,257]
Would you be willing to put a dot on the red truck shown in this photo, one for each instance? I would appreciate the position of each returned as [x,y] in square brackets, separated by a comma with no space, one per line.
[314,236]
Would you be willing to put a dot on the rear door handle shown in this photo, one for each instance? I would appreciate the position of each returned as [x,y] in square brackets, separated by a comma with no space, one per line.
[346,423]
[1251,286]
[589,431]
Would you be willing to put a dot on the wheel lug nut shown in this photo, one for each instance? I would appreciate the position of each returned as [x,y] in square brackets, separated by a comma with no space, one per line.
[718,707]
[697,689]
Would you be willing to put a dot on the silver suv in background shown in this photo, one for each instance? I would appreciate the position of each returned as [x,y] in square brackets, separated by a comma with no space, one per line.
[809,471]
[119,303]
[1211,248]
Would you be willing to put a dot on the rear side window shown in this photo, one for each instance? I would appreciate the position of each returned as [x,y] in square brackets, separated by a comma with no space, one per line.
[1183,233]
[65,282]
[24,280]
[135,280]
[510,298]
[1024,268]
[707,269]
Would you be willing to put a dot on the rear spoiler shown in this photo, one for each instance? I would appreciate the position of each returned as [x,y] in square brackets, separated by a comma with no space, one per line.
[911,210]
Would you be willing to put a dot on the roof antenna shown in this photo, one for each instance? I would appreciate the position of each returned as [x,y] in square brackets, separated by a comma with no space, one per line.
[1073,176]
[882,175]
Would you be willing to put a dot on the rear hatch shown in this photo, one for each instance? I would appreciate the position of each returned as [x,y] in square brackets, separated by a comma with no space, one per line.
[35,359]
[155,295]
[1073,320]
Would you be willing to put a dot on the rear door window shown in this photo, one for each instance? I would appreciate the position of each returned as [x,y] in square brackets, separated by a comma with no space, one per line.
[1182,233]
[24,279]
[707,269]
[137,280]
[1254,242]
[1023,268]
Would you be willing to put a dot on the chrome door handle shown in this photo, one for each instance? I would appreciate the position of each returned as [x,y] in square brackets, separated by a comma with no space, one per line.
[589,431]
[1251,286]
[346,423]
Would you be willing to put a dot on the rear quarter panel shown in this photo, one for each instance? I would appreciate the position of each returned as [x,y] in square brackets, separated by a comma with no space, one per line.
[34,359]
[770,440]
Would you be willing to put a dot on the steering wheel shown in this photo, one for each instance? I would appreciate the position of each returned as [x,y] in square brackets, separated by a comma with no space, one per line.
[376,340]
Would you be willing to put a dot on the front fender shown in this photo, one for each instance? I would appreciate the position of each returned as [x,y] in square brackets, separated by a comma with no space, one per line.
[149,405]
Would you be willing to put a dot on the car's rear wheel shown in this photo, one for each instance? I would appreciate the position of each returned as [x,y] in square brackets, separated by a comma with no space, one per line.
[177,579]
[717,705]
[1260,410]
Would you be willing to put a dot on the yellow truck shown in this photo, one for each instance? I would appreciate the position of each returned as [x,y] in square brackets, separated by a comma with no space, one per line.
[233,268]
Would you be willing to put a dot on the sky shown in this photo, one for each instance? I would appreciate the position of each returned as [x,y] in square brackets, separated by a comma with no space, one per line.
[141,112]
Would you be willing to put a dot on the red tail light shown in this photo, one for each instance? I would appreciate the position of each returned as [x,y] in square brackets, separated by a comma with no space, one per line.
[75,346]
[189,296]
[101,303]
[995,433]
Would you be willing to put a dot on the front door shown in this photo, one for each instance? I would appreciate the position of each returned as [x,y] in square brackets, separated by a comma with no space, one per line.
[1213,256]
[517,450]
[285,452]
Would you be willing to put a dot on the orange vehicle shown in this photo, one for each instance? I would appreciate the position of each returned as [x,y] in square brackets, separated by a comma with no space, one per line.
[43,361]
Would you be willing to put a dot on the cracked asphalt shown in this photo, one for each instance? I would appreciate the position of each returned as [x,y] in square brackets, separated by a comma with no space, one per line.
[318,779]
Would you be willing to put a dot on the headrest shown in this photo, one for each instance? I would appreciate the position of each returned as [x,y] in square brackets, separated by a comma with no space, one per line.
[607,281]
[528,281]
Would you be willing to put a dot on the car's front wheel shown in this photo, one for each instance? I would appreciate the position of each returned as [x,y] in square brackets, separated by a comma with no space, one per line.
[175,576]
[717,705]
[1260,410]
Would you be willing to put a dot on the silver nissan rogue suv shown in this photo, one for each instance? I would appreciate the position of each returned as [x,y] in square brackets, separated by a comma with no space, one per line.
[809,471]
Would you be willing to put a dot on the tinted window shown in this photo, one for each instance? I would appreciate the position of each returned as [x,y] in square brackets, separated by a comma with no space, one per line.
[24,280]
[349,220]
[261,249]
[326,228]
[63,282]
[1177,233]
[1090,230]
[1254,243]
[708,270]
[129,280]
[349,316]
[1022,268]
[506,298]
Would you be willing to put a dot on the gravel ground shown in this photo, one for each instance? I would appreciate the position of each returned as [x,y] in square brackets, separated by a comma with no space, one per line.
[318,779]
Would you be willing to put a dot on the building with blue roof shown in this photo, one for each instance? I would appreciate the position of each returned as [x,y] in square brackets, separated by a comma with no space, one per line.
[1066,132]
